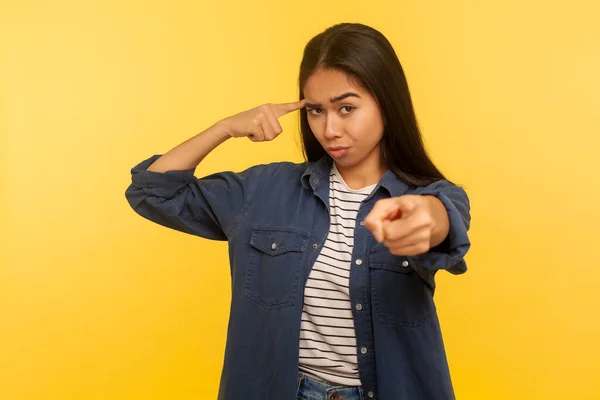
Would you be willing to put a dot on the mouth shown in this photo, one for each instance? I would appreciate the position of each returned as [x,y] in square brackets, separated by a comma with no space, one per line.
[337,152]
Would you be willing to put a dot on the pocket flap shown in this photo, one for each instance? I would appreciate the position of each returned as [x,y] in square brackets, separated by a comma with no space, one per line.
[381,258]
[274,241]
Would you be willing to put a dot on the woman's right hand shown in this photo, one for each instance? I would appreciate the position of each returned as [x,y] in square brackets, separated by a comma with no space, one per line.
[260,124]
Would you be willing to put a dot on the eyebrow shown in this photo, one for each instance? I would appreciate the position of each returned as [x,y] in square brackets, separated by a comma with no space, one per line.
[333,100]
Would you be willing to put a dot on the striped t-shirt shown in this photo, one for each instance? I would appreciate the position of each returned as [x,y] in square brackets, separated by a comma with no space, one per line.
[327,338]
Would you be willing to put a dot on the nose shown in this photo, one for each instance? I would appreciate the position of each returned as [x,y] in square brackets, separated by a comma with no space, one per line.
[333,127]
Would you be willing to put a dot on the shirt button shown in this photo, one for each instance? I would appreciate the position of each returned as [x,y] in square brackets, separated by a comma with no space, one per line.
[405,264]
[359,262]
[274,246]
[362,223]
[371,394]
[315,245]
[363,350]
[359,307]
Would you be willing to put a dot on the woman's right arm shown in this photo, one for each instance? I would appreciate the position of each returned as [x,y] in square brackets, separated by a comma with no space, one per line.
[259,124]
[164,189]
[191,152]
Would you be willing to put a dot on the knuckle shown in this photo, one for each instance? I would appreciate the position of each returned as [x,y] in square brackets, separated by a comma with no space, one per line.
[427,221]
[388,230]
[422,247]
[396,251]
[425,237]
[265,108]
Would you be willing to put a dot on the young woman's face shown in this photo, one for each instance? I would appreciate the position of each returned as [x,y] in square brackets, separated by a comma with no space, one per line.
[345,119]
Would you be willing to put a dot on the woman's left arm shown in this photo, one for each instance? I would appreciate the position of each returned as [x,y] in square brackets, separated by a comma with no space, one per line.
[432,222]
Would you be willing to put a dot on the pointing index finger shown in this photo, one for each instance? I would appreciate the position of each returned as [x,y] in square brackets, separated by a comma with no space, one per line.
[285,108]
[382,211]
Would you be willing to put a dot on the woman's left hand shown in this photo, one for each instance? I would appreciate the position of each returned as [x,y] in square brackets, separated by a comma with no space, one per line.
[409,225]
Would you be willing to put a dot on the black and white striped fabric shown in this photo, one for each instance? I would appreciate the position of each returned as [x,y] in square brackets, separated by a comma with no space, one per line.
[327,338]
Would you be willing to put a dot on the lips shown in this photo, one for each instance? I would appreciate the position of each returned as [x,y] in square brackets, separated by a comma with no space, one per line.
[337,152]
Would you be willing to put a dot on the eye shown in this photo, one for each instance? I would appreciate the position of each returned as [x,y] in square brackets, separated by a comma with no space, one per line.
[315,111]
[346,109]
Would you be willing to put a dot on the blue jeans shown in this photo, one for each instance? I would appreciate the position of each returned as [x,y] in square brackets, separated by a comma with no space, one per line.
[312,389]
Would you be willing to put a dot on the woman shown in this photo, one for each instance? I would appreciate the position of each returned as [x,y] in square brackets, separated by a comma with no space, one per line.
[332,260]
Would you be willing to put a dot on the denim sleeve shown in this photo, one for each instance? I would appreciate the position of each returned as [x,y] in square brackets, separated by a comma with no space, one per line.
[210,207]
[449,255]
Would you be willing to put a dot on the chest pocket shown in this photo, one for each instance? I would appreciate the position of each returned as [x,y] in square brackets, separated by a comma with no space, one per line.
[400,295]
[274,266]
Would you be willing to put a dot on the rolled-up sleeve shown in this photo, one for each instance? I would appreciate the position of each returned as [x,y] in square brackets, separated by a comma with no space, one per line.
[449,255]
[210,207]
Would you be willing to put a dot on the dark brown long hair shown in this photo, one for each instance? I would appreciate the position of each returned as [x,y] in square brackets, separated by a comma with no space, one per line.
[367,56]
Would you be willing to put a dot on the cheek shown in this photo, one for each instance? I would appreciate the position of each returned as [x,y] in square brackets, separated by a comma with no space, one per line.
[366,129]
[373,127]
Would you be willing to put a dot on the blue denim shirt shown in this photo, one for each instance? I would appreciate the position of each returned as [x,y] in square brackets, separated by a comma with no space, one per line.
[400,350]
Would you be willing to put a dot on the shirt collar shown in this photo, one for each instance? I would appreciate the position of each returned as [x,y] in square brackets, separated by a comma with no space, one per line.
[318,172]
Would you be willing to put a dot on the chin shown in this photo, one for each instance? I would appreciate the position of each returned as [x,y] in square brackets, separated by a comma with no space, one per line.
[346,162]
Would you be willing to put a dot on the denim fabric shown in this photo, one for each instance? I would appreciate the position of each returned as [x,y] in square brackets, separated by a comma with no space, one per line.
[275,218]
[313,389]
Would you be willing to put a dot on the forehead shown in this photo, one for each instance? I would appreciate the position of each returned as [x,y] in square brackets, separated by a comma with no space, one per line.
[324,84]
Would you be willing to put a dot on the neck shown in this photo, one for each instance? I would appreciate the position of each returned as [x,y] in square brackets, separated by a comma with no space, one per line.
[363,174]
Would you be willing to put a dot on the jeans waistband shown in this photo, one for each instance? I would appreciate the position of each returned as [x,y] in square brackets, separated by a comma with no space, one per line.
[311,388]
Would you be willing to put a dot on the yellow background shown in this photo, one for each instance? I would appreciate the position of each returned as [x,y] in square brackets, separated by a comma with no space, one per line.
[97,303]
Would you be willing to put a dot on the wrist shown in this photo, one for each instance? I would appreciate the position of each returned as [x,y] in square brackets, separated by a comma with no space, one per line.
[439,217]
[224,129]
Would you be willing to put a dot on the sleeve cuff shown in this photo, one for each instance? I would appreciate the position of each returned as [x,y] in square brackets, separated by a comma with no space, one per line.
[161,184]
[449,255]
